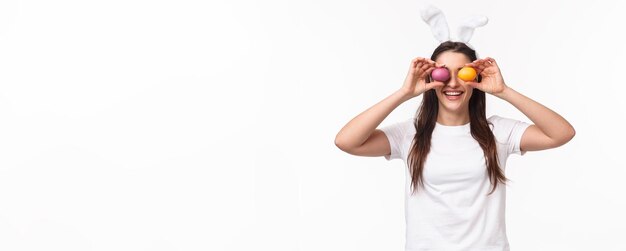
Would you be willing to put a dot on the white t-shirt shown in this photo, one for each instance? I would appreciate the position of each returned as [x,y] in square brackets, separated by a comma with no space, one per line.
[452,211]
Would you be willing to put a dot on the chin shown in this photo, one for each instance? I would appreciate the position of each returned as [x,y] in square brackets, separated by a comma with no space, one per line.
[453,107]
[458,105]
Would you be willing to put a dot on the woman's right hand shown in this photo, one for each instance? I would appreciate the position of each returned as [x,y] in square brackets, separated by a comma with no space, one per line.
[416,79]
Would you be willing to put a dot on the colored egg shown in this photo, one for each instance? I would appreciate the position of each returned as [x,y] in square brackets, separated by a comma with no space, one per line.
[467,73]
[440,74]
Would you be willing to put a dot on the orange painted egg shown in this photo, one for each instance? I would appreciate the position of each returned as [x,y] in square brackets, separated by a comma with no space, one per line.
[467,73]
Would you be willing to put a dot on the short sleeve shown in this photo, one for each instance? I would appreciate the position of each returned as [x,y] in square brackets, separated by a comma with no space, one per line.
[395,135]
[509,132]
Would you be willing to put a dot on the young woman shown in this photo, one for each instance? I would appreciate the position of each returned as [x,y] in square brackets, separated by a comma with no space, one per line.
[455,156]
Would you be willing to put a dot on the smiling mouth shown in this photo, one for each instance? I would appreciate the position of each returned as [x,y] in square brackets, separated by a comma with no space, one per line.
[452,93]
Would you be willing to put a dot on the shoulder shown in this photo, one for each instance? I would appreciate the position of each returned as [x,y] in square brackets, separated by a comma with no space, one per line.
[505,128]
[495,119]
[404,122]
[400,127]
[497,122]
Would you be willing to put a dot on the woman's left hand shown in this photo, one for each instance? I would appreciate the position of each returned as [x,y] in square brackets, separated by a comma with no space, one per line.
[492,81]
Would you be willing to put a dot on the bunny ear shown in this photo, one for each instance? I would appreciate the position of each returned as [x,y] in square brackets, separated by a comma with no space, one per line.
[437,21]
[466,29]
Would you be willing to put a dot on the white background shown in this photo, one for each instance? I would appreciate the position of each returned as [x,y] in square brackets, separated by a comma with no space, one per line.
[210,125]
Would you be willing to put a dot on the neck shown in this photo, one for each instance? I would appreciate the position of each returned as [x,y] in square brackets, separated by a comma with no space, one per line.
[450,118]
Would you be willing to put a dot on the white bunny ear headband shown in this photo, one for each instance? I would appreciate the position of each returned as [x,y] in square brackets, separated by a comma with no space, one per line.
[437,21]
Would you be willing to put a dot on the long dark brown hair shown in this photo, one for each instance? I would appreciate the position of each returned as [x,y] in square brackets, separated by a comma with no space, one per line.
[427,117]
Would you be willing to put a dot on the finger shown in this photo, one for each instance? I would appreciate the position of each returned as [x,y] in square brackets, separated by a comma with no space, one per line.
[430,69]
[492,62]
[426,72]
[415,61]
[417,68]
[480,68]
[475,85]
[432,63]
[421,66]
[482,65]
[474,63]
[422,72]
[486,61]
[434,84]
[483,62]
[477,63]
[478,72]
[419,61]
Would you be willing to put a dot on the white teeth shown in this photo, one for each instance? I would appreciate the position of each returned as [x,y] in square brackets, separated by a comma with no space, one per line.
[452,93]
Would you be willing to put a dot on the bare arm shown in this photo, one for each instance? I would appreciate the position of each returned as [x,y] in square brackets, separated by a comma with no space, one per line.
[550,130]
[359,129]
[360,136]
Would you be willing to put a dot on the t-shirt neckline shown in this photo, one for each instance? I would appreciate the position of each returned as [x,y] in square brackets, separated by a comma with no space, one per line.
[452,129]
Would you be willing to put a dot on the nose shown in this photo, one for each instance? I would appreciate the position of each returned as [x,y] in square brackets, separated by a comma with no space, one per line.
[453,82]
